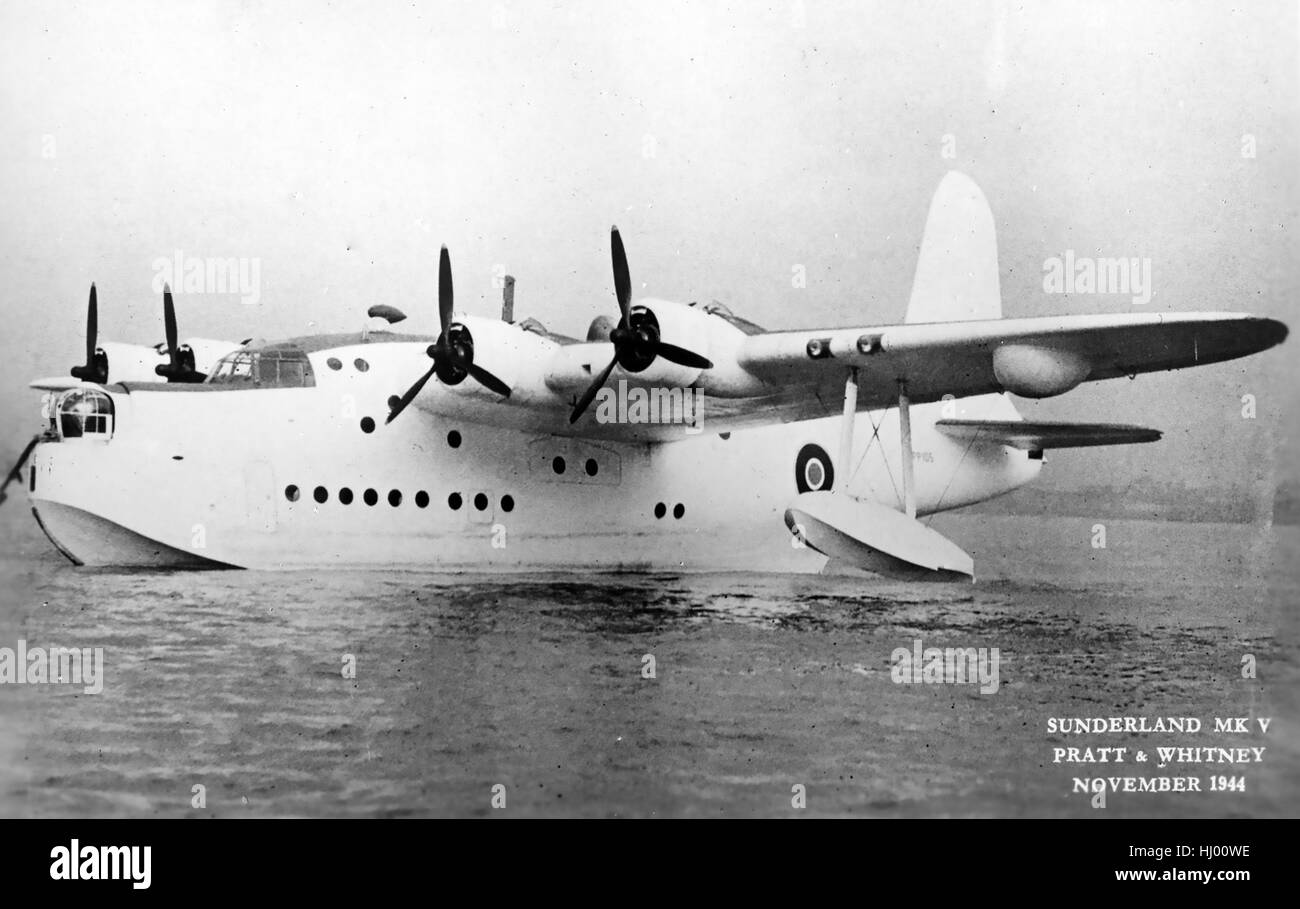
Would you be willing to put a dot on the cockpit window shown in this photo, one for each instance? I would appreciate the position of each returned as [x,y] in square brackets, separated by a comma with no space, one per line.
[86,412]
[269,367]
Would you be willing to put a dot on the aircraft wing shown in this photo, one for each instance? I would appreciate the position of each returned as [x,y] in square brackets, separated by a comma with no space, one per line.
[788,376]
[1035,357]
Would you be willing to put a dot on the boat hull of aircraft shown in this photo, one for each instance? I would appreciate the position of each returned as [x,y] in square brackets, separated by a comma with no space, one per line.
[292,479]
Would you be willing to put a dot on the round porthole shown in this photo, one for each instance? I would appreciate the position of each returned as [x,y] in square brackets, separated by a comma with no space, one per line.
[678,510]
[813,469]
[370,497]
[453,439]
[334,363]
[394,497]
[481,502]
[360,364]
[321,494]
[291,493]
[660,509]
[421,499]
[367,424]
[345,496]
[592,467]
[557,464]
[454,501]
[507,503]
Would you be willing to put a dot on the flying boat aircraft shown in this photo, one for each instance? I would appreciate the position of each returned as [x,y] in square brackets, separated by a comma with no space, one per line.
[674,437]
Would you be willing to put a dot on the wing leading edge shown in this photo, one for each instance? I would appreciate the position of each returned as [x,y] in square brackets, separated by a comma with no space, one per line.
[1035,357]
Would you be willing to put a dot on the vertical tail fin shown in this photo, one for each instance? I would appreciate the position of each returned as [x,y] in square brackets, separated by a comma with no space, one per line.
[957,271]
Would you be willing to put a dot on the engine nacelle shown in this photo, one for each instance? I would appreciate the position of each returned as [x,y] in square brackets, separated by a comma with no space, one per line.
[1032,371]
[132,362]
[572,367]
[500,348]
[681,326]
[136,362]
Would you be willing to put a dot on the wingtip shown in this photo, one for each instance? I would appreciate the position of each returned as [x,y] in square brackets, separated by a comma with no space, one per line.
[1275,332]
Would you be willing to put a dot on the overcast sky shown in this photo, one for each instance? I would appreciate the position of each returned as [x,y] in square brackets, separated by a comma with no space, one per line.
[340,144]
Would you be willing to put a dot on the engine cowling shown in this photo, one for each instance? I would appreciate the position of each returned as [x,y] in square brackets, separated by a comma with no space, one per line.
[132,362]
[496,347]
[572,366]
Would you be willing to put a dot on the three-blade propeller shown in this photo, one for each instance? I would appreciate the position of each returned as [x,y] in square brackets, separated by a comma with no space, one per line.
[96,366]
[452,354]
[636,337]
[180,359]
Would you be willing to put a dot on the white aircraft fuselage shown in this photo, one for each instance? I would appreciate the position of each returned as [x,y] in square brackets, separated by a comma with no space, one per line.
[311,477]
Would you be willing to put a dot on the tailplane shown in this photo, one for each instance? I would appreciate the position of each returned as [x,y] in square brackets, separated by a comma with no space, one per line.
[957,271]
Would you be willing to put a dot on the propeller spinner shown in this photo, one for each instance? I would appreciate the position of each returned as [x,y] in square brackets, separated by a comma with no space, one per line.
[636,337]
[452,354]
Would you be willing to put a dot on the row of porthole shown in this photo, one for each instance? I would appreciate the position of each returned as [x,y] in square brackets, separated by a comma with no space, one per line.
[559,466]
[336,364]
[678,510]
[371,497]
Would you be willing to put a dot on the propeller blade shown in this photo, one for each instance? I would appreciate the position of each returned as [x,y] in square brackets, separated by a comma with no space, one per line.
[444,293]
[682,357]
[169,324]
[622,278]
[92,326]
[590,394]
[96,366]
[489,381]
[410,395]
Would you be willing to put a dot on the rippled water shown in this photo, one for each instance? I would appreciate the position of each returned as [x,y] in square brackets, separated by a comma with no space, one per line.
[233,681]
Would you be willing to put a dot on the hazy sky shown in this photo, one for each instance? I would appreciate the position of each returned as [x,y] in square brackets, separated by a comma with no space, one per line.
[340,144]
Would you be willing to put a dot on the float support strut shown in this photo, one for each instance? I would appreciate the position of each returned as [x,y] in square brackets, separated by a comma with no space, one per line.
[846,426]
[905,435]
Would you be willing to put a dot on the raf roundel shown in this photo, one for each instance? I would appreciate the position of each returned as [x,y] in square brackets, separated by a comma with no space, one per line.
[813,470]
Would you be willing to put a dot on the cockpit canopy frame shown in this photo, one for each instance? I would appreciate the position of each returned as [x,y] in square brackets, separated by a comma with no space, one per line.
[266,367]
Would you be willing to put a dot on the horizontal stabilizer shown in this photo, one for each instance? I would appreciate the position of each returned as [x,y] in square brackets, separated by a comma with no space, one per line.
[1029,436]
[876,538]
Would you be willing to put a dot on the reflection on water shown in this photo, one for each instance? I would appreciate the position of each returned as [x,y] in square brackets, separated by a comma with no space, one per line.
[234,681]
